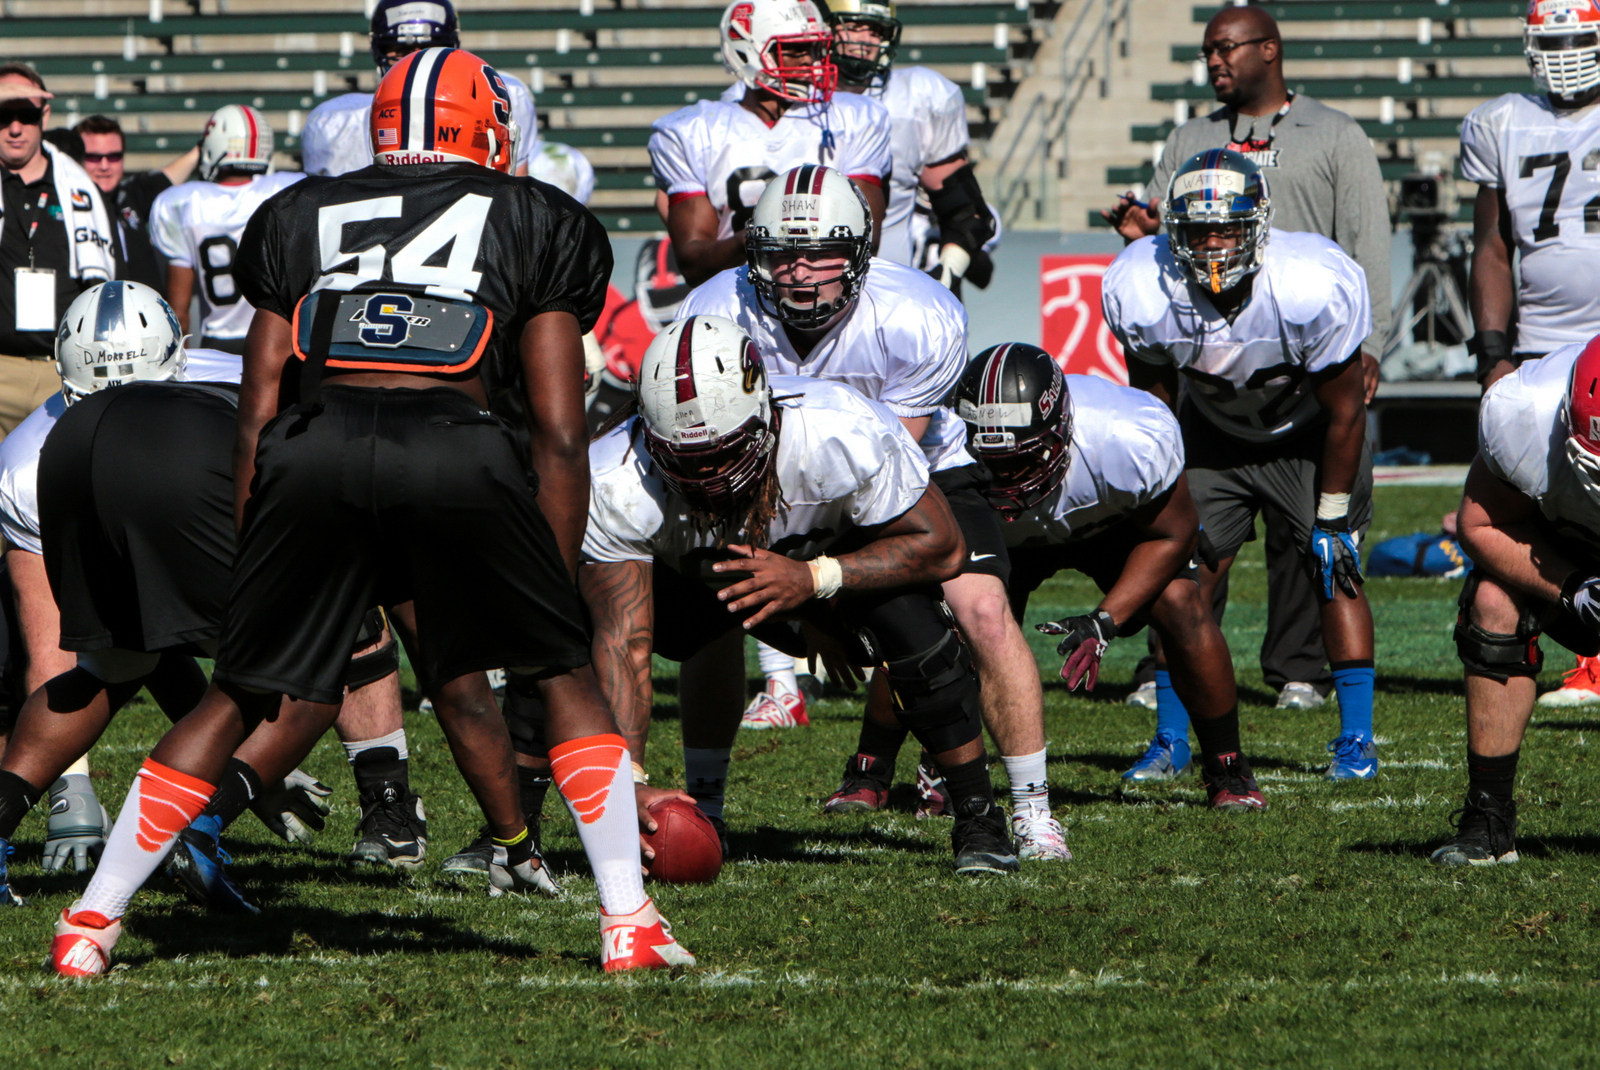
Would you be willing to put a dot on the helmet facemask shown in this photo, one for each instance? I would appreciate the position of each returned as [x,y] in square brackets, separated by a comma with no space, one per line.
[721,478]
[1222,192]
[811,81]
[802,305]
[1565,60]
[860,62]
[1023,472]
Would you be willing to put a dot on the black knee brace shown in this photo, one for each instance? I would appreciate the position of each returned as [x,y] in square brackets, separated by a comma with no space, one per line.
[525,715]
[936,693]
[1495,654]
[374,665]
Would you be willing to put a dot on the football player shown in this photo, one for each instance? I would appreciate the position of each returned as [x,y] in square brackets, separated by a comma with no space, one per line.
[1521,149]
[434,511]
[1089,476]
[818,304]
[337,136]
[796,510]
[1530,518]
[1265,326]
[197,225]
[712,159]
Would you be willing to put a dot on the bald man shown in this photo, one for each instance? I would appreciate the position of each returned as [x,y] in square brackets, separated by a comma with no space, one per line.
[1324,178]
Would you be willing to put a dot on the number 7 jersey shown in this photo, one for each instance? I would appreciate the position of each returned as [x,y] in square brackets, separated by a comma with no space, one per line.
[1548,163]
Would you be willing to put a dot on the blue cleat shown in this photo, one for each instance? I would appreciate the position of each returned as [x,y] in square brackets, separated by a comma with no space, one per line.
[197,864]
[1354,758]
[8,898]
[1167,758]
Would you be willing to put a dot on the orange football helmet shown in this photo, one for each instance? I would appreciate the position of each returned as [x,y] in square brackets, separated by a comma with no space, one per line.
[443,105]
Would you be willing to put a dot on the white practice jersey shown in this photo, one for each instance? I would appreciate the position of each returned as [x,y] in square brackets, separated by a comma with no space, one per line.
[1548,164]
[337,137]
[1126,451]
[563,167]
[19,453]
[198,226]
[1522,437]
[903,344]
[1252,378]
[721,150]
[843,462]
[930,125]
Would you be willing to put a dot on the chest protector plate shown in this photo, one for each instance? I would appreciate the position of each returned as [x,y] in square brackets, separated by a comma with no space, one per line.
[391,332]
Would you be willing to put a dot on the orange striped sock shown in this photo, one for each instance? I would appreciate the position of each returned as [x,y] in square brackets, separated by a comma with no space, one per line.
[160,805]
[584,770]
[595,776]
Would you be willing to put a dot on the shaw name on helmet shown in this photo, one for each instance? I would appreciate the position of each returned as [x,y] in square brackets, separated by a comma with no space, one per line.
[236,138]
[1218,189]
[781,46]
[115,333]
[862,63]
[402,26]
[811,213]
[707,413]
[444,105]
[1014,401]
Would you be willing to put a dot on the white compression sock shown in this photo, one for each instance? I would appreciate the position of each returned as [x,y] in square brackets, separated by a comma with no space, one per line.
[160,804]
[1029,784]
[705,771]
[778,668]
[395,739]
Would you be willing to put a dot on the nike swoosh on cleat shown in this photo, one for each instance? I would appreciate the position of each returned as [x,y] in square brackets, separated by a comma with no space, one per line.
[399,843]
[980,557]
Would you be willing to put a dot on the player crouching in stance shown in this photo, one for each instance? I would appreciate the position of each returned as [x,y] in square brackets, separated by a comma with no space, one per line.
[1530,519]
[1089,476]
[1274,418]
[802,511]
[384,480]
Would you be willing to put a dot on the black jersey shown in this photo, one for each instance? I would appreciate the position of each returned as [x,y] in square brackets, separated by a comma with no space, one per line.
[438,233]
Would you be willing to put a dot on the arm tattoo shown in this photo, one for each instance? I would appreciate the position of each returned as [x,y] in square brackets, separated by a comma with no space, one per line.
[922,546]
[620,600]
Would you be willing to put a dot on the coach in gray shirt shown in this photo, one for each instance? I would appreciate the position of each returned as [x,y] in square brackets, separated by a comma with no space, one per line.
[1324,178]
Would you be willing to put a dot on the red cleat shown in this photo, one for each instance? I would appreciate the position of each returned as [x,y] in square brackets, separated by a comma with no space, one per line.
[83,943]
[640,941]
[1230,786]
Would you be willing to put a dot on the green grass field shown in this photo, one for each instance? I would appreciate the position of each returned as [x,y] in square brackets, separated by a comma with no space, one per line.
[1313,935]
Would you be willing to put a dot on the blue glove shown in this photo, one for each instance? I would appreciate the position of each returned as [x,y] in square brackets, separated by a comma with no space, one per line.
[1334,557]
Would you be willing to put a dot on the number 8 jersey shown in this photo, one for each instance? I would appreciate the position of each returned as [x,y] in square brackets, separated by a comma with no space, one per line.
[1548,163]
[197,226]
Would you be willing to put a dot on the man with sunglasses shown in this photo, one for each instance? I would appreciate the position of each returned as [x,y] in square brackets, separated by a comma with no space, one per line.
[131,196]
[1325,180]
[55,242]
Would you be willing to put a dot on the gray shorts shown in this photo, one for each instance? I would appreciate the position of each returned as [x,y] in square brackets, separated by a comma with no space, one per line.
[1232,480]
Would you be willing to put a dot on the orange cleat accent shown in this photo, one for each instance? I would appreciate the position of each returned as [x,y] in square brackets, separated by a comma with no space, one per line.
[640,941]
[83,943]
[1579,687]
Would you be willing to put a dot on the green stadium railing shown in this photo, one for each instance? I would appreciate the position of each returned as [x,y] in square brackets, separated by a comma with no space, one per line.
[1385,48]
[1368,88]
[1463,215]
[1378,10]
[1393,170]
[1400,128]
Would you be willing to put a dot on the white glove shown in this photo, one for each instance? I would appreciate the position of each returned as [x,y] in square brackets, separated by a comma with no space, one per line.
[295,809]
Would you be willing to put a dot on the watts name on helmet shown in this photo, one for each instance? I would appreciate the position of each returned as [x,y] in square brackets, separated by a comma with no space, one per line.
[387,320]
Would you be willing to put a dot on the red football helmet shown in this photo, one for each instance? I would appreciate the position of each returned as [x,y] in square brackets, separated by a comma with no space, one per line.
[443,105]
[1583,418]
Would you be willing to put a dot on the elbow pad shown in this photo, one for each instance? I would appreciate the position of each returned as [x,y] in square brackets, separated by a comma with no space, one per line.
[961,212]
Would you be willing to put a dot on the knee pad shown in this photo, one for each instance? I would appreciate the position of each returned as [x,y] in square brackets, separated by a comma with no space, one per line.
[114,666]
[374,665]
[936,694]
[525,715]
[1495,654]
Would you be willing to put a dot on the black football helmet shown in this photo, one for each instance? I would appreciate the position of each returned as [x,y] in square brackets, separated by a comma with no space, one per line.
[1014,401]
[402,26]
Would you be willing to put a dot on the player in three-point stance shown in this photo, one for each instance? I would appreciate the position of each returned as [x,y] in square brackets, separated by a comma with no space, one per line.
[1530,519]
[1089,476]
[802,511]
[383,479]
[1267,336]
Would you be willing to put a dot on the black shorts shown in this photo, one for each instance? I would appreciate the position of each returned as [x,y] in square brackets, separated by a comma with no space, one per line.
[136,515]
[980,522]
[375,496]
[1101,556]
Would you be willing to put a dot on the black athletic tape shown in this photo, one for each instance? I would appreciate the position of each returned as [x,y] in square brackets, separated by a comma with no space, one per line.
[1490,347]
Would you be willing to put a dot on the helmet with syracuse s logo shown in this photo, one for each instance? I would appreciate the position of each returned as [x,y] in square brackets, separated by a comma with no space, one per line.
[857,61]
[1583,418]
[810,213]
[1014,401]
[236,138]
[759,42]
[443,105]
[402,26]
[707,412]
[1562,42]
[1218,189]
[114,333]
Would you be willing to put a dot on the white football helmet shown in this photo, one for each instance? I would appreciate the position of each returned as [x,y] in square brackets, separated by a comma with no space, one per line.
[709,422]
[236,138]
[1562,41]
[757,33]
[811,210]
[115,333]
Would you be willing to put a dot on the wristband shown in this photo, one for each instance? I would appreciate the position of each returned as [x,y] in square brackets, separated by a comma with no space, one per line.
[1333,506]
[1490,347]
[826,576]
[639,775]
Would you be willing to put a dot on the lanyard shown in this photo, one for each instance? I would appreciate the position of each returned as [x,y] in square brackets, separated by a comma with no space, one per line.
[39,205]
[1272,127]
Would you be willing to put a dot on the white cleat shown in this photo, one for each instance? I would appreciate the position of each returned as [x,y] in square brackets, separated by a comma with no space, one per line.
[1580,687]
[640,941]
[1039,836]
[531,875]
[1143,695]
[82,947]
[776,709]
[1300,697]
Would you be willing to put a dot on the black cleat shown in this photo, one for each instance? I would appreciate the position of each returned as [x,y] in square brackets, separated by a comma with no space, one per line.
[981,839]
[476,857]
[393,832]
[1485,834]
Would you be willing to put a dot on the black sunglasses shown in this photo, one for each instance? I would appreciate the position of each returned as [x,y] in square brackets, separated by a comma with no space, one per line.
[28,115]
[102,157]
[1224,48]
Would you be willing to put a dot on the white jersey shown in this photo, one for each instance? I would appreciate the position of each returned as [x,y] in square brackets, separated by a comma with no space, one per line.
[1548,163]
[930,125]
[198,226]
[903,344]
[337,137]
[19,453]
[1126,451]
[843,462]
[1522,438]
[1251,378]
[721,150]
[563,167]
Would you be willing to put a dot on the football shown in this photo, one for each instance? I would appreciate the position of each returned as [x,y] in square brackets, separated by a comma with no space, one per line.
[688,850]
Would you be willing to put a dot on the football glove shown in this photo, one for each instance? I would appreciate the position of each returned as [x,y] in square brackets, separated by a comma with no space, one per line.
[1084,641]
[1335,558]
[1580,596]
[295,809]
[76,833]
